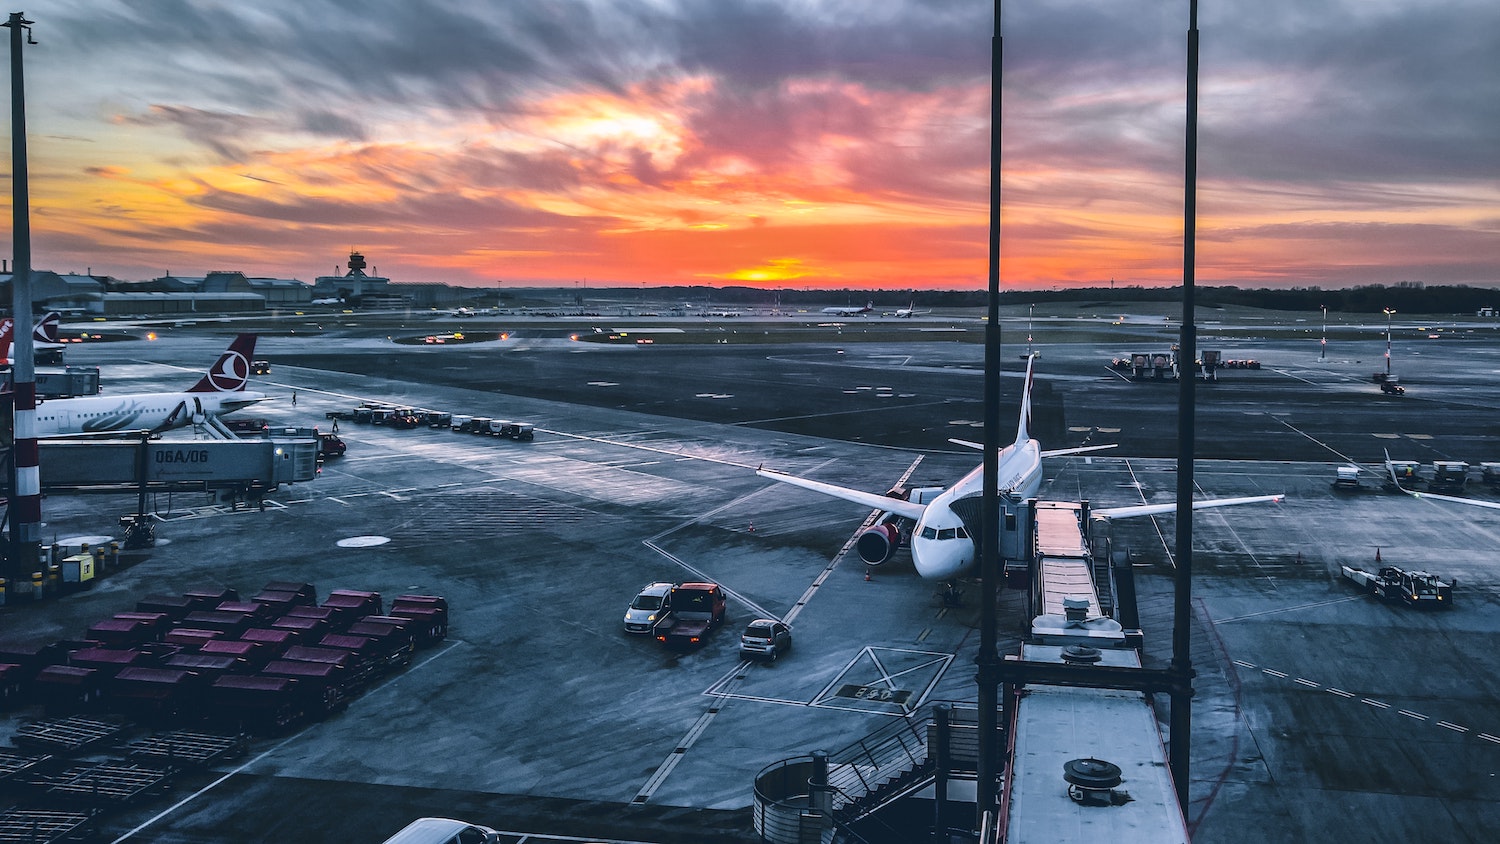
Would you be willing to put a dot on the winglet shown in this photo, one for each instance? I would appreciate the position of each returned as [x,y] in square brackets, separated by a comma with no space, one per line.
[1023,428]
[231,371]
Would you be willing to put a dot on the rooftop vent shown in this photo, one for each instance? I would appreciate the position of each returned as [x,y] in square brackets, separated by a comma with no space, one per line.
[1080,655]
[1075,609]
[1092,782]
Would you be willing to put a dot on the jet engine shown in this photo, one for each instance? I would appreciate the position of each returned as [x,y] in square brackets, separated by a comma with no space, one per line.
[878,543]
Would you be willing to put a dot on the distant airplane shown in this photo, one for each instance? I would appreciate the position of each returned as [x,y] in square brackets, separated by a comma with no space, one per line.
[47,343]
[849,311]
[909,311]
[941,548]
[221,390]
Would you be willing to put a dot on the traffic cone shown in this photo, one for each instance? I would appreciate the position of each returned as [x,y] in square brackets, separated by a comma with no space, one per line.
[752,527]
[867,573]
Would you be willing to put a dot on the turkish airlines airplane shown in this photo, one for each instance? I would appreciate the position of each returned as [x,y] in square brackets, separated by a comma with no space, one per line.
[47,344]
[941,548]
[909,311]
[221,390]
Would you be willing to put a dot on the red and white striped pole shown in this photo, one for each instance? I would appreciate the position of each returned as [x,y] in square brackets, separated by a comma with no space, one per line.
[26,503]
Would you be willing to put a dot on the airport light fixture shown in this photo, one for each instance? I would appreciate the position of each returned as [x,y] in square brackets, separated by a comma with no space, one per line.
[1388,312]
[1323,352]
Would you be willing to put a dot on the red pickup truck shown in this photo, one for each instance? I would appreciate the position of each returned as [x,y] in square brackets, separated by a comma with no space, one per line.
[697,608]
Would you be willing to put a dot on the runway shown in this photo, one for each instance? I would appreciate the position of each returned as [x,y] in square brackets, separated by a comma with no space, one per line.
[538,715]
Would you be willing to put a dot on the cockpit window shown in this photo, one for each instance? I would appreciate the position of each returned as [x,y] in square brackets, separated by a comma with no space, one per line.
[929,532]
[948,533]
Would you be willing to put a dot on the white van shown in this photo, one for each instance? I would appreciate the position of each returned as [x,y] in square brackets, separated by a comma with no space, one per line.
[443,831]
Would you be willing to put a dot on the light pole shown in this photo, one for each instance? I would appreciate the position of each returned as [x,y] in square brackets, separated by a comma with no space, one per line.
[1323,353]
[1388,312]
[1029,310]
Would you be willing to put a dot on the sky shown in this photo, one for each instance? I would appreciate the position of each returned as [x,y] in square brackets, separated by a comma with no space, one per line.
[837,144]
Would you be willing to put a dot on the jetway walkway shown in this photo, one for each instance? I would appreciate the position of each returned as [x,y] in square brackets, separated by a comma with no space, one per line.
[151,465]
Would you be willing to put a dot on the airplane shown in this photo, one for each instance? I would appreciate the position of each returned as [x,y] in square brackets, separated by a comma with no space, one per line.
[849,311]
[909,311]
[941,547]
[221,390]
[47,345]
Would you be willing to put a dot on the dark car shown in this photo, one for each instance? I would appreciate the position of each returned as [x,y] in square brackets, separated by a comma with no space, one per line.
[260,367]
[403,421]
[330,445]
[765,638]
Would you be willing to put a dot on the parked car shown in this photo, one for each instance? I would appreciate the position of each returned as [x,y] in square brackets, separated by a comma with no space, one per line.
[648,607]
[765,638]
[330,445]
[443,831]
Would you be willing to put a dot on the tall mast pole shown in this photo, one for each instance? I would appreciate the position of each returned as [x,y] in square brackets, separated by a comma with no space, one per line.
[1181,665]
[26,511]
[988,659]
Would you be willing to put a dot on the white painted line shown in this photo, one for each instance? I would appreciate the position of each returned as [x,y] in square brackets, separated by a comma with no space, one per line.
[1454,727]
[1273,672]
[1408,713]
[1374,703]
[1306,682]
[1340,692]
[1488,737]
[1243,664]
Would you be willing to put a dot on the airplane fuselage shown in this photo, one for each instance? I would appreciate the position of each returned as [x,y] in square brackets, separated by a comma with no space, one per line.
[941,548]
[141,411]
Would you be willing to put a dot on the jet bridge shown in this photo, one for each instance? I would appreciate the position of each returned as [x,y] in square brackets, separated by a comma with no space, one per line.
[154,465]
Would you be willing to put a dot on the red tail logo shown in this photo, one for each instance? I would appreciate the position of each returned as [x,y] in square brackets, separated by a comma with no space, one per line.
[231,371]
[46,330]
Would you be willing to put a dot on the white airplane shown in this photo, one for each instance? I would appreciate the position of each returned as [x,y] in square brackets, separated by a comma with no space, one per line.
[47,344]
[1390,467]
[941,548]
[909,311]
[849,311]
[221,390]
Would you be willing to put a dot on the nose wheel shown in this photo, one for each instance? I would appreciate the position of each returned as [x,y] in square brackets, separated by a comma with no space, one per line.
[953,596]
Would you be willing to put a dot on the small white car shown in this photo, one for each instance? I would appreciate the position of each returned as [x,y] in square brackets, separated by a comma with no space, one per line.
[648,607]
[443,831]
[765,638]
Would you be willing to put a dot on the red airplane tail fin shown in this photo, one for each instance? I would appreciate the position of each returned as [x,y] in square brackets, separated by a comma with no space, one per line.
[47,328]
[231,371]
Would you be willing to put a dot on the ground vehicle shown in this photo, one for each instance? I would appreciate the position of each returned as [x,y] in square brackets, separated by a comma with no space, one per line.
[524,431]
[460,422]
[697,608]
[443,831]
[330,445]
[403,421]
[1390,387]
[247,426]
[438,419]
[1415,588]
[378,415]
[765,638]
[500,427]
[480,425]
[1346,477]
[260,367]
[648,606]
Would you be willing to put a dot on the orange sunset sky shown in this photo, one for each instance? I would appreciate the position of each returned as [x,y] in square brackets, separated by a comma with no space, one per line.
[786,144]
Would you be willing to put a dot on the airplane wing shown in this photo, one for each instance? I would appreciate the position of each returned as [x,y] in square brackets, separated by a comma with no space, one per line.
[1171,507]
[1435,496]
[872,500]
[1056,452]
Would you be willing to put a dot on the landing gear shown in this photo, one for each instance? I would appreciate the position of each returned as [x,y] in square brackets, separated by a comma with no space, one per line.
[140,531]
[953,596]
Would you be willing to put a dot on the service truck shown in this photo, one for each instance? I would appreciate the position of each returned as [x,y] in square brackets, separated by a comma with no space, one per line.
[697,608]
[1414,588]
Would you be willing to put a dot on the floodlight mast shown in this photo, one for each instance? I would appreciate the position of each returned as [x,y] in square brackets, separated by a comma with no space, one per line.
[988,658]
[1180,668]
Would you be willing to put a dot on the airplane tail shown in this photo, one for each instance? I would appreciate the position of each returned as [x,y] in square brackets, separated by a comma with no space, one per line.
[1023,428]
[47,328]
[7,338]
[231,371]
